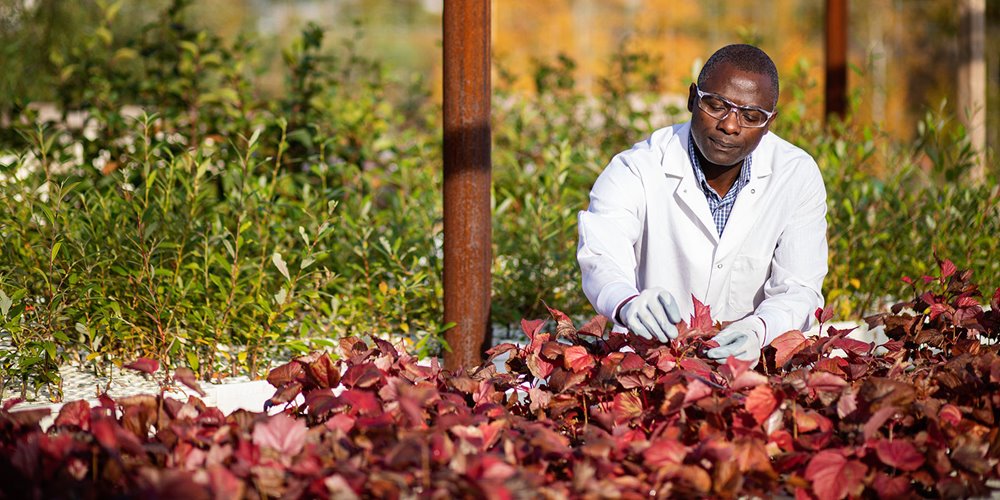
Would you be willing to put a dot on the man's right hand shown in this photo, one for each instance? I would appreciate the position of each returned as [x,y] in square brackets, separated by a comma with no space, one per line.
[652,314]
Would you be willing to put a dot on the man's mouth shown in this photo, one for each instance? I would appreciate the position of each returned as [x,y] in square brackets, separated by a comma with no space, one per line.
[723,145]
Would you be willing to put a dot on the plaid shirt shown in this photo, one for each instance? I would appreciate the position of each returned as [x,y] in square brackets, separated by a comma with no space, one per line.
[721,207]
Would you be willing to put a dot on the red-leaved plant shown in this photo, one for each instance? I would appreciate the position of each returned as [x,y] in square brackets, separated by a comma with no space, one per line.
[575,414]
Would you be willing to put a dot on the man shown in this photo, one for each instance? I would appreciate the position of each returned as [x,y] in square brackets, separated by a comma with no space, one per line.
[717,208]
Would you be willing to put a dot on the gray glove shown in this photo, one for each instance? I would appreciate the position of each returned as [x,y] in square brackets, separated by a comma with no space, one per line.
[741,339]
[652,315]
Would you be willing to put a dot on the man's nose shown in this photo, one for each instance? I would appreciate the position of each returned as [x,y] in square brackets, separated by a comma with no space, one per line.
[729,123]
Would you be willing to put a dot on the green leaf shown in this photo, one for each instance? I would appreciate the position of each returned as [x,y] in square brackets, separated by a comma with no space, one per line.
[192,360]
[306,262]
[280,264]
[55,251]
[5,303]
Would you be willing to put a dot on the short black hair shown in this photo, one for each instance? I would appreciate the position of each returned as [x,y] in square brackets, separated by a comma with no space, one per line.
[743,57]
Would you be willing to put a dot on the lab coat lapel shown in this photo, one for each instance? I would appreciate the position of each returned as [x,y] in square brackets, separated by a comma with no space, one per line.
[748,205]
[677,163]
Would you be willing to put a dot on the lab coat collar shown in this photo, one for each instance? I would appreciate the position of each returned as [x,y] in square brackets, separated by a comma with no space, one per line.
[677,146]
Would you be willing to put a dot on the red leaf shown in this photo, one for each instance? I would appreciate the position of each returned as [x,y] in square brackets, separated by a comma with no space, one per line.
[696,389]
[748,379]
[531,328]
[8,404]
[186,377]
[887,486]
[875,422]
[626,406]
[853,345]
[75,414]
[761,403]
[664,451]
[947,269]
[564,325]
[825,381]
[281,433]
[787,345]
[594,327]
[363,375]
[631,362]
[951,414]
[702,317]
[833,476]
[361,402]
[824,315]
[324,373]
[285,373]
[145,365]
[900,454]
[577,359]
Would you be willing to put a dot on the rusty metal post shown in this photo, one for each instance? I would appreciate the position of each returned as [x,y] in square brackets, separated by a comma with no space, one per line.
[835,85]
[467,164]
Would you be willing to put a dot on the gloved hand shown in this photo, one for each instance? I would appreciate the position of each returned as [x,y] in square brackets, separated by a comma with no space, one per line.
[652,315]
[741,339]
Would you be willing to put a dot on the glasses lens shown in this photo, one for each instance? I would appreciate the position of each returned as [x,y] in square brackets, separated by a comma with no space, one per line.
[752,118]
[715,107]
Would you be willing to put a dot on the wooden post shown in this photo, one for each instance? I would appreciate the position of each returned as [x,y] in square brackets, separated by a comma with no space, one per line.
[972,79]
[835,84]
[467,177]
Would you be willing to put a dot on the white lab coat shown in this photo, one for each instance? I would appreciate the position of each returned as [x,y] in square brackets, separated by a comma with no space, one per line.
[649,225]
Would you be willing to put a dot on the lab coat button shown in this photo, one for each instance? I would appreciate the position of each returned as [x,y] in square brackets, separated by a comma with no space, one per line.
[719,266]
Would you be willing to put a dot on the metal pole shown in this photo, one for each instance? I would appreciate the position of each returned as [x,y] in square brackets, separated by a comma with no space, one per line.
[467,164]
[836,58]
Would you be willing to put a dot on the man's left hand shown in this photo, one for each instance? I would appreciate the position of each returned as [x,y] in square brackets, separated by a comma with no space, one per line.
[741,340]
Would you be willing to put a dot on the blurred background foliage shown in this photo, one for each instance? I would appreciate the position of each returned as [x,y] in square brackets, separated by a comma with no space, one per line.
[219,186]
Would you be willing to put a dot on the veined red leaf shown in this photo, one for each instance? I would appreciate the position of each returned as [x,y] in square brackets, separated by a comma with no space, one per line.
[564,325]
[361,402]
[664,451]
[538,367]
[748,379]
[899,453]
[833,476]
[875,422]
[552,350]
[363,375]
[595,327]
[853,345]
[75,414]
[951,414]
[285,373]
[626,406]
[281,433]
[826,381]
[144,365]
[323,373]
[787,345]
[702,317]
[186,376]
[696,389]
[631,362]
[824,315]
[532,327]
[577,359]
[760,402]
[697,366]
[887,486]
[948,268]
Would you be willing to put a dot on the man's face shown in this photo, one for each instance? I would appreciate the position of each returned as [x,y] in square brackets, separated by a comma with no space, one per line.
[724,142]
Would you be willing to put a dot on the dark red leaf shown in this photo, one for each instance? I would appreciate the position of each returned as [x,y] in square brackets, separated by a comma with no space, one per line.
[285,373]
[595,327]
[787,345]
[696,390]
[531,328]
[8,404]
[363,376]
[852,345]
[948,268]
[577,359]
[74,414]
[824,315]
[564,325]
[826,381]
[186,377]
[761,403]
[361,402]
[702,317]
[899,453]
[144,365]
[833,476]
[887,486]
[323,373]
[950,414]
[664,451]
[876,421]
[626,406]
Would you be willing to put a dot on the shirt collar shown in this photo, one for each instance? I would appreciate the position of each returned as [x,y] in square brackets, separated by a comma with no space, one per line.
[741,181]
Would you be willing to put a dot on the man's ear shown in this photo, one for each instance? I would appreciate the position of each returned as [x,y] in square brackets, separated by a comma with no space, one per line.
[692,95]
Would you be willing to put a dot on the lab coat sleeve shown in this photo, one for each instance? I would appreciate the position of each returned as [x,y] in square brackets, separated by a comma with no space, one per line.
[794,290]
[609,230]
